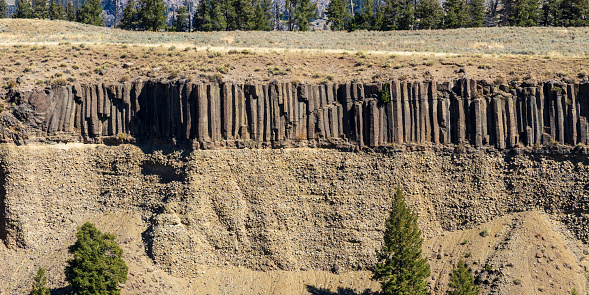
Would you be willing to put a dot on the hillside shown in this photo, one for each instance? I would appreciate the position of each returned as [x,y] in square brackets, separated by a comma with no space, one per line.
[264,162]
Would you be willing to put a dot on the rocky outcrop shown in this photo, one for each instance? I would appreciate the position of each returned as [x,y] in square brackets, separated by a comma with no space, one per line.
[286,114]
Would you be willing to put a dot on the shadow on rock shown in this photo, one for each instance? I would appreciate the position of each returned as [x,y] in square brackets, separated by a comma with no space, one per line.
[340,291]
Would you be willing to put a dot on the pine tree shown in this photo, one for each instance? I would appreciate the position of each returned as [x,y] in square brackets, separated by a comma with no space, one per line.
[400,267]
[462,281]
[551,14]
[525,13]
[151,15]
[398,15]
[40,9]
[574,13]
[39,284]
[301,13]
[337,14]
[476,13]
[129,21]
[97,266]
[366,20]
[181,20]
[200,16]
[70,11]
[218,21]
[23,9]
[456,14]
[56,10]
[242,15]
[3,9]
[262,16]
[429,13]
[91,13]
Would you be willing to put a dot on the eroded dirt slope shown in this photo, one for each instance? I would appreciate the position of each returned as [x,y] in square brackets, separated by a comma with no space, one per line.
[293,221]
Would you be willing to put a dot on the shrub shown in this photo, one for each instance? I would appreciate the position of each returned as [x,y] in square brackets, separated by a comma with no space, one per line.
[39,284]
[385,94]
[462,281]
[97,266]
[484,233]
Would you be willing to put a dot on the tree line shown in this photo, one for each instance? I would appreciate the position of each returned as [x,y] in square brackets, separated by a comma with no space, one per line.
[383,15]
[430,14]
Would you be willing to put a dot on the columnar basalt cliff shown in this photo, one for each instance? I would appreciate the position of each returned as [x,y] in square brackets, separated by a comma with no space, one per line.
[182,209]
[286,114]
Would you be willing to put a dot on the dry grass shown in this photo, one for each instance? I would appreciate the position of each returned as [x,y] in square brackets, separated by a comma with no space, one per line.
[505,40]
[49,52]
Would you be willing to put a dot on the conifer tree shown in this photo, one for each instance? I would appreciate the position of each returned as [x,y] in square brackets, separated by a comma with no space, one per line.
[200,16]
[91,13]
[524,13]
[129,21]
[366,20]
[56,10]
[3,9]
[462,281]
[575,13]
[551,14]
[262,16]
[456,15]
[152,14]
[337,14]
[242,15]
[218,21]
[181,20]
[400,267]
[476,13]
[70,11]
[97,266]
[40,9]
[301,13]
[39,283]
[23,9]
[429,13]
[398,15]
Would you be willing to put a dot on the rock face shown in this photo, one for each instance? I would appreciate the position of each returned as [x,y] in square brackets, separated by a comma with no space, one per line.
[266,210]
[285,114]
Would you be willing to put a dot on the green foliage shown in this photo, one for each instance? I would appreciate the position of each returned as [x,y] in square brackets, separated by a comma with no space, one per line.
[575,13]
[70,11]
[400,267]
[366,19]
[181,20]
[39,284]
[337,14]
[574,292]
[484,233]
[397,15]
[129,21]
[385,94]
[91,13]
[301,13]
[23,9]
[3,9]
[209,16]
[97,266]
[523,13]
[152,14]
[429,13]
[462,281]
[456,14]
[40,9]
[476,12]
[56,10]
[262,16]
